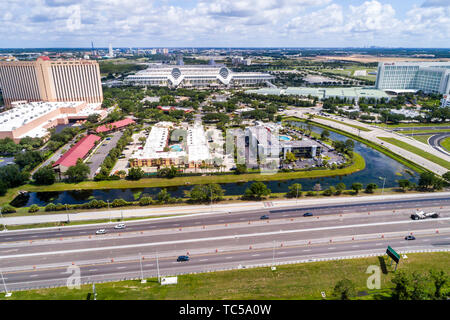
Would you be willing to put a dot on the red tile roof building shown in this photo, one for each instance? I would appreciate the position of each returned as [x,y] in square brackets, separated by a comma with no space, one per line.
[78,151]
[114,125]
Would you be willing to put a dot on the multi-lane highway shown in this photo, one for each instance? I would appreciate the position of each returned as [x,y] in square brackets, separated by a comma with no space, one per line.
[37,258]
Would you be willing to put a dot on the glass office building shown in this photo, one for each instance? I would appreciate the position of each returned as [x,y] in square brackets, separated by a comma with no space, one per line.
[430,77]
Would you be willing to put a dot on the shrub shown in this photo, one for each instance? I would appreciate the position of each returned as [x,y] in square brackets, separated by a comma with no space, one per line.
[145,201]
[50,207]
[34,208]
[8,209]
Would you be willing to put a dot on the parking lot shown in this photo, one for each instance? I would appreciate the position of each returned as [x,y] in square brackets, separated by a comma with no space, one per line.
[96,159]
[122,162]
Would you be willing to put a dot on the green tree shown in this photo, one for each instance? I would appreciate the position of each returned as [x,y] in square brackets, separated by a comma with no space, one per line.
[44,176]
[78,172]
[402,282]
[440,279]
[371,187]
[340,187]
[135,173]
[446,176]
[257,190]
[290,157]
[404,184]
[163,196]
[325,134]
[240,169]
[203,193]
[356,186]
[344,289]
[168,172]
[295,190]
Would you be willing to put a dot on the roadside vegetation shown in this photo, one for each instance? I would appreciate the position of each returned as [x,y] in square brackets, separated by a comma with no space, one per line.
[339,279]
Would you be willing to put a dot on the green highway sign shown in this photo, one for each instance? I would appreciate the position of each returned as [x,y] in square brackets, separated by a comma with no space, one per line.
[394,255]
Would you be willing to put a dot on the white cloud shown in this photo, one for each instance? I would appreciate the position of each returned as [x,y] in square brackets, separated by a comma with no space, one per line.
[218,22]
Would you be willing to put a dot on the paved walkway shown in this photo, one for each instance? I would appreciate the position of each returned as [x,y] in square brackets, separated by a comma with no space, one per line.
[203,209]
[376,132]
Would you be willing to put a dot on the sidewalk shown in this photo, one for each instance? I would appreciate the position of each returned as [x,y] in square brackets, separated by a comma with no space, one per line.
[206,209]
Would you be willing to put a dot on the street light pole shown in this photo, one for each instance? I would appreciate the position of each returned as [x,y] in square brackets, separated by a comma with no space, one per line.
[384,180]
[8,294]
[157,265]
[4,224]
[140,261]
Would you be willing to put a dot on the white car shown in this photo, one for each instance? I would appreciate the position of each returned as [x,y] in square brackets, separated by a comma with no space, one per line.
[120,226]
[101,231]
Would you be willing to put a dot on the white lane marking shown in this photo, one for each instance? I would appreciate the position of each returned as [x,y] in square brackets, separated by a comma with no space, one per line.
[378,244]
[148,265]
[93,269]
[425,239]
[83,232]
[306,250]
[255,255]
[203,260]
[228,257]
[282,252]
[33,275]
[355,246]
[249,235]
[121,267]
[331,248]
[58,234]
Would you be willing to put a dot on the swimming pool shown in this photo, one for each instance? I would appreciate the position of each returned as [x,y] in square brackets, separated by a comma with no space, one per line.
[176,147]
[285,138]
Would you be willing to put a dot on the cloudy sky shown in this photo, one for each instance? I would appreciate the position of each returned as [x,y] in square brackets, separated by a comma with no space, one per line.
[224,23]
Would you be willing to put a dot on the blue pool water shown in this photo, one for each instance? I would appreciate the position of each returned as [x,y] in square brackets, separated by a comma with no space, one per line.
[285,138]
[176,147]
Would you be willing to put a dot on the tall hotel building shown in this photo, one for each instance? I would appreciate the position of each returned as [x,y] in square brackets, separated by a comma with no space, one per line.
[430,77]
[51,81]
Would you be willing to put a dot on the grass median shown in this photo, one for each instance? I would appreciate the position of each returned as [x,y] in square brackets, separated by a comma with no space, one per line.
[296,281]
[344,123]
[445,143]
[417,151]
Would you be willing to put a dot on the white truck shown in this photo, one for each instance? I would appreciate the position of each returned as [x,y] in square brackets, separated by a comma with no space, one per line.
[418,215]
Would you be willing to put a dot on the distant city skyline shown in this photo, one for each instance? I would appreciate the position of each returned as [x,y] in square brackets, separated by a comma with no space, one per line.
[225,23]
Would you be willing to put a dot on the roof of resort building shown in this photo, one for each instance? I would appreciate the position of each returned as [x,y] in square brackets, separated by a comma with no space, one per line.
[115,125]
[78,151]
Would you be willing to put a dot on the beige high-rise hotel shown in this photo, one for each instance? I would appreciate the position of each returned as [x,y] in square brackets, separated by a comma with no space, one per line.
[51,80]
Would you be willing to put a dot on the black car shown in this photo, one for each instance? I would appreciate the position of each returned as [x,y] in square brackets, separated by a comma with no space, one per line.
[410,238]
[264,217]
[308,214]
[183,258]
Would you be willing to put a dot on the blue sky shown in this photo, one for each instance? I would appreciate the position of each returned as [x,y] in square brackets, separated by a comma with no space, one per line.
[225,23]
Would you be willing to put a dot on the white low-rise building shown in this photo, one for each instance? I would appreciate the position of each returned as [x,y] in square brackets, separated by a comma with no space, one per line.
[33,119]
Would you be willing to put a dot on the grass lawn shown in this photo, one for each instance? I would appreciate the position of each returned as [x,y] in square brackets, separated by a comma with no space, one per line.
[423,139]
[424,131]
[403,125]
[417,151]
[297,281]
[358,164]
[445,143]
[344,123]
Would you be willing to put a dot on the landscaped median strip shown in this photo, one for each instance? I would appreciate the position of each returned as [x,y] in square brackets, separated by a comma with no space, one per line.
[419,152]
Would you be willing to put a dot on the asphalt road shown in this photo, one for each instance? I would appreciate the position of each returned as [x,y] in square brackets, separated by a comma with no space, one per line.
[421,128]
[226,218]
[435,141]
[213,261]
